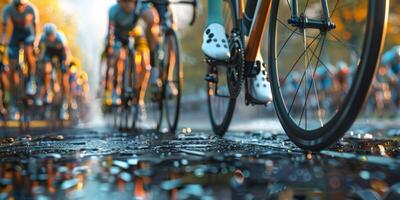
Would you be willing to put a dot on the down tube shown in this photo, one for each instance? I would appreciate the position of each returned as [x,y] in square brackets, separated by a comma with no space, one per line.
[258,30]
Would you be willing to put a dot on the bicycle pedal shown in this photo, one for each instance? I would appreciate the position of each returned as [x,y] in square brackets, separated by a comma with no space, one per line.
[213,62]
[253,102]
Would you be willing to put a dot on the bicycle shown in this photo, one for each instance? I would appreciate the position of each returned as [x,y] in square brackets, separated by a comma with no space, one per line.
[313,33]
[126,114]
[54,98]
[24,101]
[166,90]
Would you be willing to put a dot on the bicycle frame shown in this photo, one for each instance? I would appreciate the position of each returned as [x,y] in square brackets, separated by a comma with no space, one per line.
[257,28]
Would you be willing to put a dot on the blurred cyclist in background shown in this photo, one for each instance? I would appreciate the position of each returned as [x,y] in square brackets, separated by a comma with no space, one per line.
[24,19]
[340,81]
[383,96]
[53,45]
[123,18]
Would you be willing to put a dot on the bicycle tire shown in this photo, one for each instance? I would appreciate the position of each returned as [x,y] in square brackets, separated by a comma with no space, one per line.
[345,116]
[173,116]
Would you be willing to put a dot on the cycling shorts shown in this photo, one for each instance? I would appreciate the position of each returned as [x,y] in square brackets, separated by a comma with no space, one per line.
[139,37]
[18,38]
[59,54]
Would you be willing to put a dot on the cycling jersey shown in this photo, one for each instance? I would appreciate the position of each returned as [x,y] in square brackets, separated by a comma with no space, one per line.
[140,40]
[125,22]
[22,22]
[56,48]
[23,27]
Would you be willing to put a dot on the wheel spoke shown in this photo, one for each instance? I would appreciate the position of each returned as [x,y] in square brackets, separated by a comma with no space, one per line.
[334,8]
[305,7]
[301,55]
[287,40]
[314,85]
[301,81]
[309,89]
[290,7]
[341,41]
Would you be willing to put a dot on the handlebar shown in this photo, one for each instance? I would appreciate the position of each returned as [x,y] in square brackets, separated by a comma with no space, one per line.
[194,3]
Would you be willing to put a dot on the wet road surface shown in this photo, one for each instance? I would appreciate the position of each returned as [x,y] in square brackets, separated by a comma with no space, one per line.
[100,163]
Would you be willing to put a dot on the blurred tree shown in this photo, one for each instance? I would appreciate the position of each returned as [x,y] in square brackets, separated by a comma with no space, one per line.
[50,11]
[393,37]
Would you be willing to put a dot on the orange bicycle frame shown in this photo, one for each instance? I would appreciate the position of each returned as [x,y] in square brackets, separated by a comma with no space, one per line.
[258,27]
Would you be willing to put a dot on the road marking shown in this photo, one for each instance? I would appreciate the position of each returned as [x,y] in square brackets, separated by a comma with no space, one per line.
[32,124]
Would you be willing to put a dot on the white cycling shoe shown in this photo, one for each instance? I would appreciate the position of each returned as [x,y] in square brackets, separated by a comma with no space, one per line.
[259,86]
[215,43]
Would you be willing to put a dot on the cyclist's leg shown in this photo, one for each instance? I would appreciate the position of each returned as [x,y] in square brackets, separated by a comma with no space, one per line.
[162,10]
[110,72]
[2,91]
[110,65]
[143,70]
[13,54]
[65,73]
[5,83]
[215,42]
[118,75]
[47,76]
[31,61]
[151,18]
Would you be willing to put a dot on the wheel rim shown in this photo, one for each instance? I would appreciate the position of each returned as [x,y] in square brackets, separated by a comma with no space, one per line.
[311,90]
[173,81]
[219,96]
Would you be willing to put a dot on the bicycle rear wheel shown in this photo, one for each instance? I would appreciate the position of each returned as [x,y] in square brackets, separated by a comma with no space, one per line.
[225,79]
[316,101]
[173,80]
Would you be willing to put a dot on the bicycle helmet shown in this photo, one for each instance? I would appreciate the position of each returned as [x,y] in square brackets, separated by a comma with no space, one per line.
[121,1]
[18,2]
[343,68]
[49,29]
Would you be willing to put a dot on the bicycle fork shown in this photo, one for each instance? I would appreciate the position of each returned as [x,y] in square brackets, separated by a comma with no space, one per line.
[301,21]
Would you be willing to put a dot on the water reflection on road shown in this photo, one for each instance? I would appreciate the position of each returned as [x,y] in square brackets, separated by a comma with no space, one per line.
[106,165]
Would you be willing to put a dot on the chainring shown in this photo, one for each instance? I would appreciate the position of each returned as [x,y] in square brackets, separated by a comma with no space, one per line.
[235,66]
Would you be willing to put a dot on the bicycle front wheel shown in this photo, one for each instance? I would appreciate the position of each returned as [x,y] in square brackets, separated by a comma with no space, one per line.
[173,80]
[320,90]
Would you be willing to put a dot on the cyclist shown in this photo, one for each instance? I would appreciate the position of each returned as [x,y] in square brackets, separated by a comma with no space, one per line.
[53,44]
[383,94]
[215,45]
[74,70]
[123,18]
[25,19]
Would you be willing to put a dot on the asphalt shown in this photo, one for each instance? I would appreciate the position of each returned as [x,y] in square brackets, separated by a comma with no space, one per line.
[102,163]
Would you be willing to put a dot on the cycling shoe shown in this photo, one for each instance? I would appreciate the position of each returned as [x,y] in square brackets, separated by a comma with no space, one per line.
[215,43]
[259,86]
[31,87]
[116,99]
[15,114]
